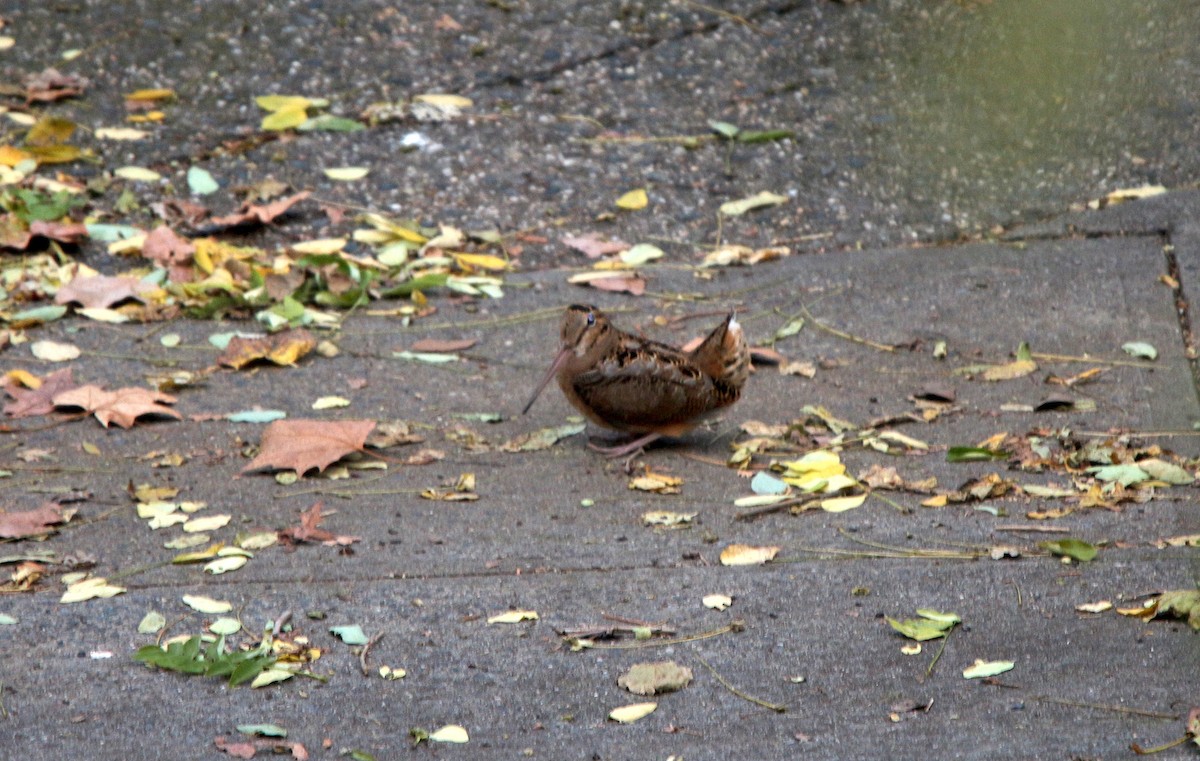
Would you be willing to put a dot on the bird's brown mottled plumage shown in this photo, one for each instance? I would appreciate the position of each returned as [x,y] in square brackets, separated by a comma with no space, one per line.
[643,387]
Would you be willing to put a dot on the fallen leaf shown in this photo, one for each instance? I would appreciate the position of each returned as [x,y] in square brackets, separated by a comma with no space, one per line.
[309,531]
[631,713]
[659,483]
[346,173]
[633,200]
[137,174]
[725,256]
[258,214]
[756,201]
[99,291]
[63,232]
[51,85]
[513,617]
[543,438]
[351,634]
[208,605]
[744,554]
[302,445]
[282,349]
[90,589]
[1094,607]
[616,282]
[1076,549]
[655,678]
[982,669]
[667,518]
[717,601]
[122,406]
[31,402]
[451,733]
[34,522]
[594,245]
[53,351]
[841,504]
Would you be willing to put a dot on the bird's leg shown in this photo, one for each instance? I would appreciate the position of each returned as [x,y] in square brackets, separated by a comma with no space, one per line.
[624,449]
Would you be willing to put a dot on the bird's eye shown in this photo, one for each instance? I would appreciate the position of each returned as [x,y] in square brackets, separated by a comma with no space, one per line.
[591,319]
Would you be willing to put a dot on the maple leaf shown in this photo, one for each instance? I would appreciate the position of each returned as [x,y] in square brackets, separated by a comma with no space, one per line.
[31,402]
[171,251]
[282,349]
[309,531]
[302,445]
[51,85]
[99,290]
[122,406]
[257,214]
[30,522]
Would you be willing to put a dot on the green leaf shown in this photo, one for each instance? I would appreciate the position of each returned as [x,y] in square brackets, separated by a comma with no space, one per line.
[1140,349]
[201,182]
[422,283]
[923,629]
[974,454]
[1122,474]
[351,635]
[39,314]
[1024,354]
[724,129]
[262,730]
[256,416]
[1076,549]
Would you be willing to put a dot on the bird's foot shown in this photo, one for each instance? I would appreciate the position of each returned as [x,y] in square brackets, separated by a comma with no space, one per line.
[634,447]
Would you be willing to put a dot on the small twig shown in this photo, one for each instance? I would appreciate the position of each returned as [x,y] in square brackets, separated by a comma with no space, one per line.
[280,622]
[777,708]
[875,493]
[784,504]
[734,626]
[167,627]
[725,14]
[1104,707]
[847,336]
[1020,602]
[1090,360]
[974,553]
[632,621]
[1158,748]
[942,649]
[362,656]
[138,569]
[1036,529]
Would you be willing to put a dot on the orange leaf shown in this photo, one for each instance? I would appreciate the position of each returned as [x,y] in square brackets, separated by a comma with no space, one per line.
[282,349]
[122,406]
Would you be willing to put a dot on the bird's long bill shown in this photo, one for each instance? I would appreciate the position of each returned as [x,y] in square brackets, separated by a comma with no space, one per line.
[554,368]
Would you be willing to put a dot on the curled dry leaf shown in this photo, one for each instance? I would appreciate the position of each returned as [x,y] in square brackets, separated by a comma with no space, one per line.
[744,554]
[37,522]
[99,290]
[282,349]
[258,214]
[37,400]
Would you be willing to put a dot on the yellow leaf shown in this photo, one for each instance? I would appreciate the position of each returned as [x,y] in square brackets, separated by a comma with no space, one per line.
[208,553]
[137,174]
[743,205]
[666,518]
[451,733]
[633,200]
[938,500]
[347,173]
[1094,607]
[632,712]
[320,246]
[282,102]
[744,554]
[444,100]
[480,261]
[208,605]
[90,589]
[226,564]
[10,156]
[149,116]
[329,402]
[160,93]
[284,119]
[23,378]
[49,131]
[207,523]
[513,616]
[1016,369]
[841,504]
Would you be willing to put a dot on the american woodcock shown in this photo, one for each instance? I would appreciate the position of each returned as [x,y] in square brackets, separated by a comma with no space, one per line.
[642,387]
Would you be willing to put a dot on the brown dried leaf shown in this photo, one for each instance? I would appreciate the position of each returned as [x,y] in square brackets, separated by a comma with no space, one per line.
[393,433]
[258,214]
[594,245]
[63,232]
[122,406]
[31,402]
[51,85]
[99,290]
[282,348]
[302,445]
[170,251]
[632,284]
[309,531]
[31,522]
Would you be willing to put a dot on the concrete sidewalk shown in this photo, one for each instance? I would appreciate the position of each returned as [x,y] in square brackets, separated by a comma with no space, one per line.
[428,574]
[576,103]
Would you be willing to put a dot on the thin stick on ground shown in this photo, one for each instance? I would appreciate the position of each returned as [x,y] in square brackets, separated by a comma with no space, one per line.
[1104,707]
[362,656]
[776,707]
[734,626]
[847,336]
